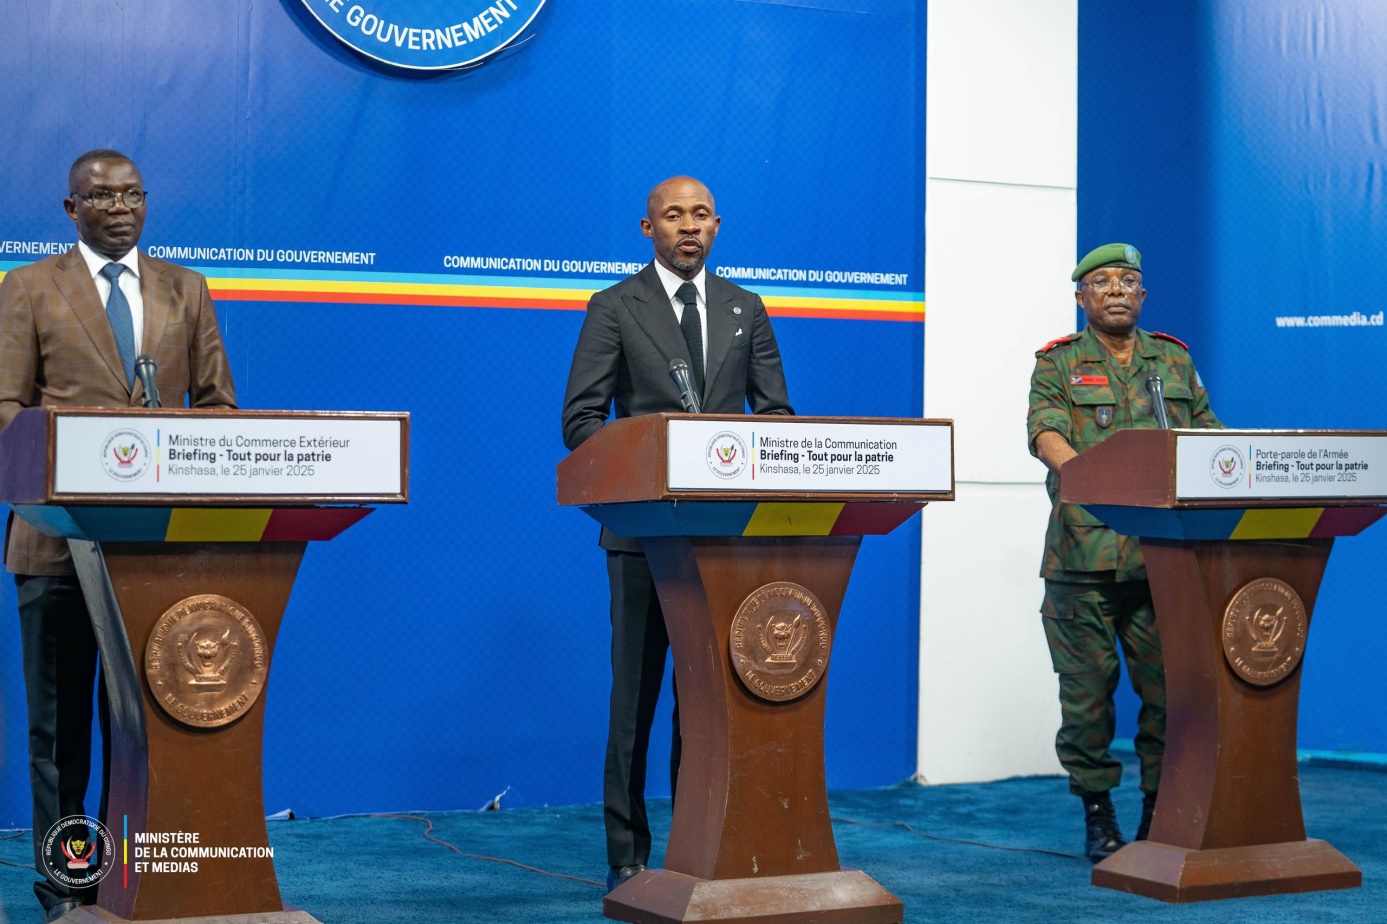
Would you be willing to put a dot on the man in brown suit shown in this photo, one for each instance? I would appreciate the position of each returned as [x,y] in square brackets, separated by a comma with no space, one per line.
[71,327]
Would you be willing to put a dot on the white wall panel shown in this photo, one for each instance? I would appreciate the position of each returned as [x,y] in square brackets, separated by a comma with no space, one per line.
[991,708]
[1000,97]
[1001,162]
[997,273]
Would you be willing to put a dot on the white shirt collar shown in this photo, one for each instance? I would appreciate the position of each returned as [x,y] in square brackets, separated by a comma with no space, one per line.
[671,282]
[95,261]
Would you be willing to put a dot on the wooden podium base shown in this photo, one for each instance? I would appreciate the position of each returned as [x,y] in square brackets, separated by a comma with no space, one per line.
[94,914]
[1178,874]
[847,896]
[751,840]
[1228,822]
[170,776]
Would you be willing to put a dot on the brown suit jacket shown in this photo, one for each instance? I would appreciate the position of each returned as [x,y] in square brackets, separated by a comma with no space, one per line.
[56,348]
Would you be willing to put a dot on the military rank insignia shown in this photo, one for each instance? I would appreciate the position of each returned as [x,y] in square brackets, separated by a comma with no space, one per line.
[1105,417]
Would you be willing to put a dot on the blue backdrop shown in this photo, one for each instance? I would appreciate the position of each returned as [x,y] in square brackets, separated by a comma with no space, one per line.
[1240,146]
[376,240]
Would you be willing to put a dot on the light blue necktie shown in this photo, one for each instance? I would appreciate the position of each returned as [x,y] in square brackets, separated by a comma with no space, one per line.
[118,312]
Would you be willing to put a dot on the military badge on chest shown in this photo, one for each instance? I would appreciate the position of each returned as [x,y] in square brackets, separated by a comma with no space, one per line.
[1105,417]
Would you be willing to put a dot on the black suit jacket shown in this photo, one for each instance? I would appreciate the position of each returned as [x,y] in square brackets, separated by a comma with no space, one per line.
[630,335]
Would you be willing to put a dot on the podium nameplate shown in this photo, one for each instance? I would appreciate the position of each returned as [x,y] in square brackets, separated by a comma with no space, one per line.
[226,454]
[1219,465]
[766,454]
[1232,484]
[179,475]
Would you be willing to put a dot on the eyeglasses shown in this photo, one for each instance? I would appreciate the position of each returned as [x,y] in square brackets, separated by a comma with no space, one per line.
[105,200]
[1105,284]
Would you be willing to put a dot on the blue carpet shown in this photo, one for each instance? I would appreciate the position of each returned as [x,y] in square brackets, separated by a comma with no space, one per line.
[376,870]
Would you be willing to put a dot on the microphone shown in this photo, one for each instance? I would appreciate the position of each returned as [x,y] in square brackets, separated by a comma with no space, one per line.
[144,368]
[679,371]
[1157,389]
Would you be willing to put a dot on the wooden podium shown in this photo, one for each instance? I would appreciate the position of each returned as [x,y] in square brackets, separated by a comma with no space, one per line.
[751,526]
[187,528]
[1236,528]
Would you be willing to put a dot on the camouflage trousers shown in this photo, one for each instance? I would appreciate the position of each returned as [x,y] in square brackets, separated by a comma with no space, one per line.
[1084,624]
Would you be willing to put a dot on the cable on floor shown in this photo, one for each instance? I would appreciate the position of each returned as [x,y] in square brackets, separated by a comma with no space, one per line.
[12,836]
[476,856]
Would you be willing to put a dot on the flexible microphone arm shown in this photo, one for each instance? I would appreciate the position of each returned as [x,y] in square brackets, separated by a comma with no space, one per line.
[679,371]
[1157,389]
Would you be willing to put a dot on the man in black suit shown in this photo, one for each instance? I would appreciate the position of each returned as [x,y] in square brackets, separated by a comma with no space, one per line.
[672,309]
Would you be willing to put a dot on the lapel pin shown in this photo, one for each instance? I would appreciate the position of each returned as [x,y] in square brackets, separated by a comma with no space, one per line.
[736,310]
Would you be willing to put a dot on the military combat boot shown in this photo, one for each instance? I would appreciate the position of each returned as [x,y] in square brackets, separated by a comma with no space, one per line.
[1148,808]
[1103,837]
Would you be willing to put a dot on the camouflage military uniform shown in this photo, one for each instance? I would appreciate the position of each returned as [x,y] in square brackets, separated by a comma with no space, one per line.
[1096,595]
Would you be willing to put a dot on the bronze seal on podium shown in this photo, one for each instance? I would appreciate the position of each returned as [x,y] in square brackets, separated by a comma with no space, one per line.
[780,641]
[1264,630]
[206,660]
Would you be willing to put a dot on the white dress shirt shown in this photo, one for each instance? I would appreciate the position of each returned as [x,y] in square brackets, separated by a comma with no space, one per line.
[672,283]
[129,285]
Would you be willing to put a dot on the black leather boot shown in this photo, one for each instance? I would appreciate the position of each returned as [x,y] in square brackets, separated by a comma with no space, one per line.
[1148,808]
[1103,837]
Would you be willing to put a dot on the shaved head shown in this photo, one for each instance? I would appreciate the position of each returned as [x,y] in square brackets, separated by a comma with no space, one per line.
[655,201]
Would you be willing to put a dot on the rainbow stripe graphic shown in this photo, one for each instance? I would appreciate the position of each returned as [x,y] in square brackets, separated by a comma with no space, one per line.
[532,292]
[236,284]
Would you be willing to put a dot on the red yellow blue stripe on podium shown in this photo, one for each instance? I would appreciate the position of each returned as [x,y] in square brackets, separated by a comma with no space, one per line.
[765,518]
[1238,523]
[192,524]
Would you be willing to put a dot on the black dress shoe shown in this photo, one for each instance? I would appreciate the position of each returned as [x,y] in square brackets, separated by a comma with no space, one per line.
[1102,838]
[1148,808]
[61,908]
[619,874]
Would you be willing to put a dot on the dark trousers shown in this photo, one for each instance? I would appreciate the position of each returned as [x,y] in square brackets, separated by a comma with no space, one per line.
[639,644]
[60,669]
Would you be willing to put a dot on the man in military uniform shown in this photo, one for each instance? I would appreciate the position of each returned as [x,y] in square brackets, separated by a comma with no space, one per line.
[1085,387]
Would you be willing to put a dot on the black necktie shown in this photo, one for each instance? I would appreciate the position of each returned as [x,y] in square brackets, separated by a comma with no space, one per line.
[692,326]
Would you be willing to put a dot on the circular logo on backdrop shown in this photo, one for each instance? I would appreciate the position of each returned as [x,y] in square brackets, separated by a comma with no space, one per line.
[125,455]
[1264,629]
[726,455]
[1226,466]
[425,35]
[78,852]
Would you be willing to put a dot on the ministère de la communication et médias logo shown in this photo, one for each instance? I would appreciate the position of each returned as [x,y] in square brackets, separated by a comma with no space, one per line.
[78,852]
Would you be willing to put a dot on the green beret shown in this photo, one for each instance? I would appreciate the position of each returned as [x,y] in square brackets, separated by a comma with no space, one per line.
[1108,255]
